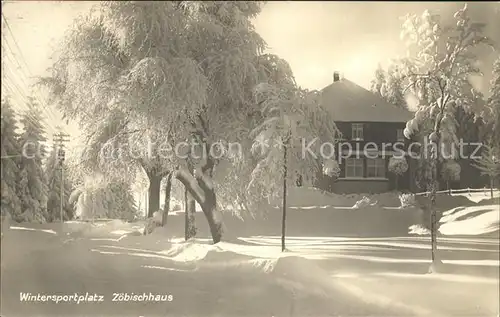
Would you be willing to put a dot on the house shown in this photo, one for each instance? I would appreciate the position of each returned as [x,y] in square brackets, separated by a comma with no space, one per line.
[372,132]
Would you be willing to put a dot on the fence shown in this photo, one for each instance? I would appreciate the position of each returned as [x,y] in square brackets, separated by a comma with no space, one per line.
[485,190]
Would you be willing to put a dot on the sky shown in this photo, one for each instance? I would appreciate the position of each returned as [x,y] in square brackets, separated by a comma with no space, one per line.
[316,38]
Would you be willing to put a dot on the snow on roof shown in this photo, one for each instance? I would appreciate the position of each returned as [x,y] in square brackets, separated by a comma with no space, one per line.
[350,102]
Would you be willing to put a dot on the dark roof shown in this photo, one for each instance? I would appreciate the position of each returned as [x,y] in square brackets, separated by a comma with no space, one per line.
[350,102]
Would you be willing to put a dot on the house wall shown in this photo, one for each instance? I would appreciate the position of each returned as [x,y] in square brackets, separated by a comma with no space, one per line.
[386,132]
[377,134]
[344,186]
[371,185]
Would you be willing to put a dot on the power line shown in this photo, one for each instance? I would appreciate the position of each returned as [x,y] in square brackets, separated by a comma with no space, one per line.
[15,42]
[8,73]
[44,104]
[7,45]
[21,93]
[13,90]
[27,114]
[49,114]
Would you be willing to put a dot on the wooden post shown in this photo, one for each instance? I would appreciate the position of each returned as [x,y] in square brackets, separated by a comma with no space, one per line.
[60,139]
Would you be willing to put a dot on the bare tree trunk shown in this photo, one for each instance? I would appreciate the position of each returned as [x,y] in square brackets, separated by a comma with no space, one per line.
[190,229]
[166,207]
[214,222]
[201,188]
[199,182]
[283,217]
[154,194]
[425,205]
[189,214]
[491,186]
[210,203]
[449,188]
[435,187]
[433,223]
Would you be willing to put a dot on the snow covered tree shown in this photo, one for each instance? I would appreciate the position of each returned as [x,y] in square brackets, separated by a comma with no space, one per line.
[398,166]
[389,85]
[123,72]
[489,164]
[493,118]
[331,168]
[469,127]
[441,60]
[86,201]
[10,149]
[450,172]
[181,70]
[121,202]
[291,116]
[379,82]
[98,198]
[32,182]
[393,91]
[53,174]
[328,175]
[280,132]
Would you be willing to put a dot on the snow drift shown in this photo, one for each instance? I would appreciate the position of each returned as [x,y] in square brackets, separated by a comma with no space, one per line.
[309,196]
[477,220]
[289,269]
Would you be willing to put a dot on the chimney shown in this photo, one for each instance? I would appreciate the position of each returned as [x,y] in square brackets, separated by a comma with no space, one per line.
[336,76]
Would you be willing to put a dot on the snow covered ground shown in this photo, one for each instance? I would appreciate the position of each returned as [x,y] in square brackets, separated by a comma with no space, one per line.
[340,262]
[319,276]
[472,220]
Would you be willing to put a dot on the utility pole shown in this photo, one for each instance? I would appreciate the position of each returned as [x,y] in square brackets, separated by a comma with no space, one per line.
[60,139]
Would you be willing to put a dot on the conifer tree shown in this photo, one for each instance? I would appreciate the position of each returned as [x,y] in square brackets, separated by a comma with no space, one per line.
[10,203]
[32,182]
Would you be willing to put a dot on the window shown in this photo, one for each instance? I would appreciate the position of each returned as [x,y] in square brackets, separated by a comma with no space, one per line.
[357,131]
[354,167]
[375,168]
[400,136]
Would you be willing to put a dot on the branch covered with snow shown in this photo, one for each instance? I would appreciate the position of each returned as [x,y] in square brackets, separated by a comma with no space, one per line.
[331,168]
[398,165]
